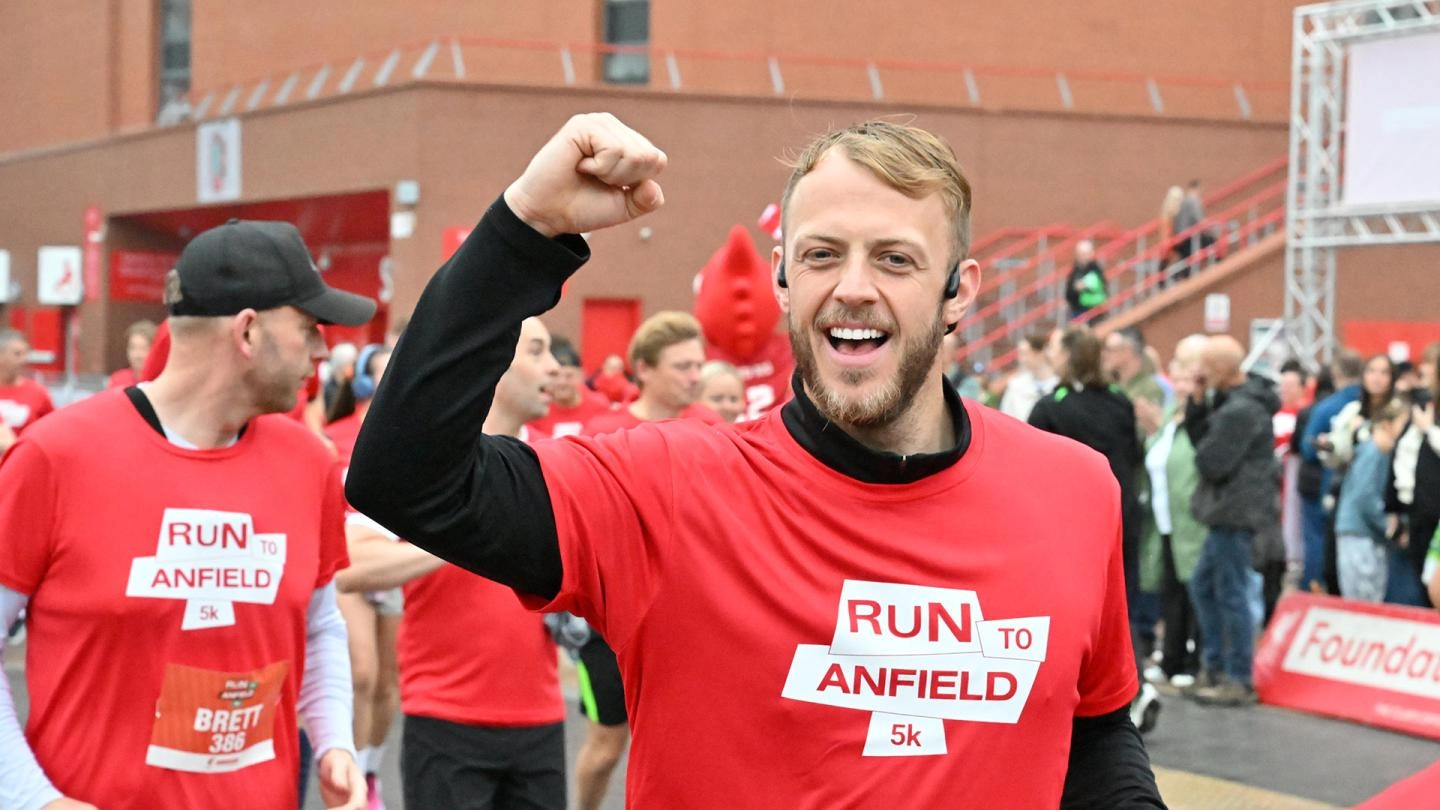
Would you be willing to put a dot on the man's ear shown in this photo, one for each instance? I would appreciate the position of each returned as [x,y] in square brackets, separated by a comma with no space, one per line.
[244,331]
[782,294]
[956,307]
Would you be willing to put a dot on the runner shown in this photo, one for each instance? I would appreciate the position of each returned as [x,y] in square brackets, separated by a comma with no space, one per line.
[853,601]
[138,339]
[175,547]
[574,403]
[372,618]
[484,718]
[722,390]
[22,400]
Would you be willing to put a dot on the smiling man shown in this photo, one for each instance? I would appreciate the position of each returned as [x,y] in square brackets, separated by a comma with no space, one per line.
[861,599]
[478,681]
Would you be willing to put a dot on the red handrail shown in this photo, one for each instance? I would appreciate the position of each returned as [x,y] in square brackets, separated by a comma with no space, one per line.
[1096,232]
[1272,218]
[999,235]
[1195,258]
[860,64]
[1039,283]
[1150,253]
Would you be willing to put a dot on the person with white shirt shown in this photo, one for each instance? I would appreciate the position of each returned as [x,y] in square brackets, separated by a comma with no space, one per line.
[1034,381]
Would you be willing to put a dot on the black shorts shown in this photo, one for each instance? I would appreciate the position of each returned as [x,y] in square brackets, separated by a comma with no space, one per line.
[453,765]
[602,695]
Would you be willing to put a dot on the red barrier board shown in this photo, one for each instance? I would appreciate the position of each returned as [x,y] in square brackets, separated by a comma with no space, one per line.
[1377,664]
[1418,791]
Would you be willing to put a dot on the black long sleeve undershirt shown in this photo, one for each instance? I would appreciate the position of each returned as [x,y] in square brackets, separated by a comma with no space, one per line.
[422,468]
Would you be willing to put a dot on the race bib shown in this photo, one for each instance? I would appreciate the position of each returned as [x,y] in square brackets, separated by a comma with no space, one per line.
[215,722]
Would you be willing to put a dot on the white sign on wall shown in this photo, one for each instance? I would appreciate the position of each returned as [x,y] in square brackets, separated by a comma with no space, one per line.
[217,161]
[5,296]
[58,275]
[1217,312]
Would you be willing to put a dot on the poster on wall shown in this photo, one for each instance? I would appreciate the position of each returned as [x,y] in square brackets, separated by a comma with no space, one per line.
[217,161]
[1217,312]
[58,275]
[139,275]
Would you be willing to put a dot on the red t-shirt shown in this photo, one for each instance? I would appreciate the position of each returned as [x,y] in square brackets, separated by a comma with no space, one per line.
[766,375]
[503,675]
[24,402]
[343,432]
[568,421]
[470,653]
[844,644]
[167,617]
[623,419]
[122,378]
[1283,423]
[616,388]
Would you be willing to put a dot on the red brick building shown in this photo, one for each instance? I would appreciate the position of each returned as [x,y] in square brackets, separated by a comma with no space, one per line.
[382,129]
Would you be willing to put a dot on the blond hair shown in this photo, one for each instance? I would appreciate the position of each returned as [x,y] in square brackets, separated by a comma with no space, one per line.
[658,333]
[718,368]
[1392,410]
[910,160]
[1171,205]
[145,329]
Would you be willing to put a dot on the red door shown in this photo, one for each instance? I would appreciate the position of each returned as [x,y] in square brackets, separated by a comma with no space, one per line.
[606,325]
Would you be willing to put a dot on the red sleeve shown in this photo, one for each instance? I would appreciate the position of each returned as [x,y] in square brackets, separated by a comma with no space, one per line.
[1107,676]
[27,507]
[46,405]
[333,554]
[613,498]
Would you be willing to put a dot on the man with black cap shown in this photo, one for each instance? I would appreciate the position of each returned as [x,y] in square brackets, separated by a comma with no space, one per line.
[175,546]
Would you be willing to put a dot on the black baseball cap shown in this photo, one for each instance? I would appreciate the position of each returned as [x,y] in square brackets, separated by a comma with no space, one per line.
[252,264]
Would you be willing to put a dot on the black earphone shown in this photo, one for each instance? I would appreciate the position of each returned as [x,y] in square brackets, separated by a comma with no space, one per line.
[952,281]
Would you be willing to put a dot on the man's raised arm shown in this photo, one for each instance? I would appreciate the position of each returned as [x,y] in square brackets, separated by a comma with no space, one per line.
[421,467]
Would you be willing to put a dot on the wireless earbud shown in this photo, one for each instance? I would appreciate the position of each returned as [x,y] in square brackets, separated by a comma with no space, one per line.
[780,277]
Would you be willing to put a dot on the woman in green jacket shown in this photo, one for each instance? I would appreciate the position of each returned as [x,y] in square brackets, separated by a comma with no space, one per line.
[1172,538]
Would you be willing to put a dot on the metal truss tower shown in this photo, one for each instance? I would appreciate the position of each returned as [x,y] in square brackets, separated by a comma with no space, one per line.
[1317,223]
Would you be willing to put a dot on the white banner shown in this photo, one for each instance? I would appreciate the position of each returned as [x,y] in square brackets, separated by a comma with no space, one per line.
[217,161]
[1366,650]
[1392,121]
[58,275]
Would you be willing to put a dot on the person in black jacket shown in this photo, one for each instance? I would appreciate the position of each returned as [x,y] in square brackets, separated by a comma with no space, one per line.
[1086,407]
[1086,287]
[1232,428]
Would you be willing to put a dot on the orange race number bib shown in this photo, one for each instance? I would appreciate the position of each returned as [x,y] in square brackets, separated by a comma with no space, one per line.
[215,722]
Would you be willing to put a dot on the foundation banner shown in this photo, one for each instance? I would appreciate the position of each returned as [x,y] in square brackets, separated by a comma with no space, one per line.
[1377,664]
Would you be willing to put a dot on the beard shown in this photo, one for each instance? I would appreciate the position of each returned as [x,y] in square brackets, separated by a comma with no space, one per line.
[275,391]
[882,406]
